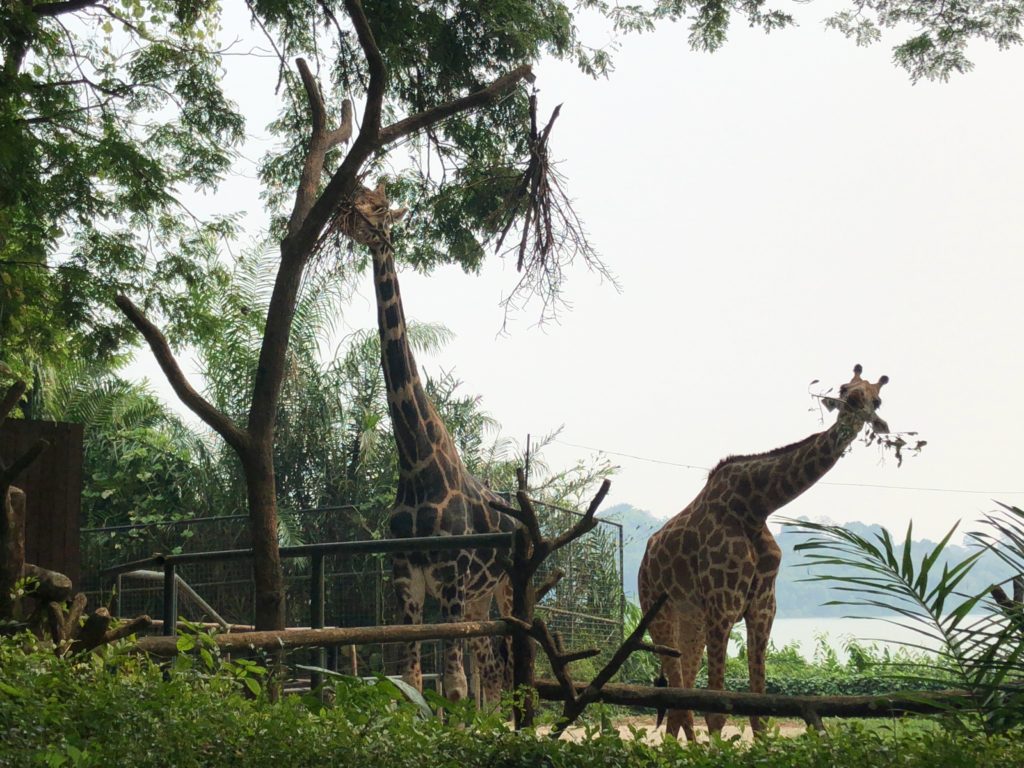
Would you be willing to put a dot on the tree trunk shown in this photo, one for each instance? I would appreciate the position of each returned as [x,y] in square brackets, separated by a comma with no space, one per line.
[12,547]
[523,652]
[267,574]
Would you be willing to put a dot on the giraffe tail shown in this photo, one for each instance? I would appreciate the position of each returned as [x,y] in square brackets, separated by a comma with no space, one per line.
[661,682]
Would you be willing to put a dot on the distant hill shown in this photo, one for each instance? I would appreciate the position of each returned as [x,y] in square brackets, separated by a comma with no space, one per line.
[637,527]
[796,598]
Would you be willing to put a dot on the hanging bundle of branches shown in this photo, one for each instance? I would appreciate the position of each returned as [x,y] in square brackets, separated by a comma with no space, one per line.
[539,225]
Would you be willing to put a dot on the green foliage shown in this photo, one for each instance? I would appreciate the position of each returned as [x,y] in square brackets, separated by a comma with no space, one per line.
[113,708]
[979,640]
[939,33]
[456,177]
[105,111]
[333,441]
[141,463]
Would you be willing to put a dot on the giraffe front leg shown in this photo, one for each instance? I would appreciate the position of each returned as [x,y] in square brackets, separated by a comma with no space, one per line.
[718,629]
[759,618]
[453,608]
[410,588]
[492,665]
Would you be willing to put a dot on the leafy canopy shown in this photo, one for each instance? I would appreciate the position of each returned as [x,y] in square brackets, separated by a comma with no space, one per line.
[107,110]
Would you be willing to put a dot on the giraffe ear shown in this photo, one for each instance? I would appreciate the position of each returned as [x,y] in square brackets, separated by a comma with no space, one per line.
[379,189]
[399,213]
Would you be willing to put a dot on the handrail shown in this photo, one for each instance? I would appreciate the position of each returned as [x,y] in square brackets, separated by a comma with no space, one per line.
[370,546]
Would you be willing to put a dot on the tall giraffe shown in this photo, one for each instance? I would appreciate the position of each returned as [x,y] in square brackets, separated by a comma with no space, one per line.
[718,561]
[436,495]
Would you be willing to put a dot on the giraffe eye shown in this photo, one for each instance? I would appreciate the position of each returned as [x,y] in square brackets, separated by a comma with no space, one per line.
[876,403]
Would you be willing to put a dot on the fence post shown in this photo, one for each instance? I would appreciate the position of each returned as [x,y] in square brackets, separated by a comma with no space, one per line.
[622,590]
[316,612]
[170,600]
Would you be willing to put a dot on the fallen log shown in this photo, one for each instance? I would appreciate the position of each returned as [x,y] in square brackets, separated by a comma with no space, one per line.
[331,636]
[809,708]
[52,586]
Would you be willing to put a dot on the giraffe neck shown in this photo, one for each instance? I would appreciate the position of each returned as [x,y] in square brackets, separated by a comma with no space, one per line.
[756,486]
[419,432]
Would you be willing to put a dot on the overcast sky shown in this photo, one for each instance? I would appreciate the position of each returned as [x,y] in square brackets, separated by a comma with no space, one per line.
[775,213]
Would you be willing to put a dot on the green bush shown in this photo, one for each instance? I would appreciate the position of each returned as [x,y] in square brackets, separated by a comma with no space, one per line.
[117,709]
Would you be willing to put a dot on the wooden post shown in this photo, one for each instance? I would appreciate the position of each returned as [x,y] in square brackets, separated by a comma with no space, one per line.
[316,612]
[170,609]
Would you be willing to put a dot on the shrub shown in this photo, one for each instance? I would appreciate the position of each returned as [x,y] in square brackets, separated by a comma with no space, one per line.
[114,708]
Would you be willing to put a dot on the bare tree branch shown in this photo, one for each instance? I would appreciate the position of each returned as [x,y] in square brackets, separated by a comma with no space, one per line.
[586,523]
[378,73]
[19,465]
[11,398]
[57,9]
[321,141]
[549,583]
[489,94]
[235,437]
[577,701]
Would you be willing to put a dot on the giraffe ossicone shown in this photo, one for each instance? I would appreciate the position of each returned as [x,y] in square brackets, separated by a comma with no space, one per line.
[717,561]
[436,495]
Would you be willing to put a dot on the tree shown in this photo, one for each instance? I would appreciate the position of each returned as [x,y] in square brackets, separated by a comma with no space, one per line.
[106,110]
[435,68]
[447,78]
[936,48]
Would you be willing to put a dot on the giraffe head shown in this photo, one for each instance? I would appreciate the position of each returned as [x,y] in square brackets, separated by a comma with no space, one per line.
[859,399]
[368,217]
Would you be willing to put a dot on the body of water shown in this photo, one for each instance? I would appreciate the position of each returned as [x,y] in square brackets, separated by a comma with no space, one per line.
[838,631]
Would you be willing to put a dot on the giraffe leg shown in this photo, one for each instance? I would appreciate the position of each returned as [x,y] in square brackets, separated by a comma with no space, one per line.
[410,588]
[718,629]
[666,630]
[759,618]
[502,646]
[489,665]
[690,639]
[453,607]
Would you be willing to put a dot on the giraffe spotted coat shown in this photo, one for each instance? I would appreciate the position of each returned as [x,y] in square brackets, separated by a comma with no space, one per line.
[717,560]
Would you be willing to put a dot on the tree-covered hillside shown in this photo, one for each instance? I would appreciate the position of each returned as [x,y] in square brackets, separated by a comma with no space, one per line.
[797,597]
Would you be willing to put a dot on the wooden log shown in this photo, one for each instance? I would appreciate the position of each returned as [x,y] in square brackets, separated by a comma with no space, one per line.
[738,703]
[332,636]
[53,587]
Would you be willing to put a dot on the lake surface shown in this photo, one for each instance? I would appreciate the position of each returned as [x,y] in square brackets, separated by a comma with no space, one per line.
[838,631]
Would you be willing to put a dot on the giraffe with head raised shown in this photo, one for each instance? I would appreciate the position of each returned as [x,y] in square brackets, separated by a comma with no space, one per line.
[436,495]
[717,560]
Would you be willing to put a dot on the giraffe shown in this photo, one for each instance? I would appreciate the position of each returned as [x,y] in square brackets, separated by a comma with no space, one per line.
[718,561]
[436,495]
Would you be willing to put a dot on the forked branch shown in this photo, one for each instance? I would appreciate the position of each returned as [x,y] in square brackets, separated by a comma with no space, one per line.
[8,473]
[11,398]
[577,700]
[321,141]
[227,429]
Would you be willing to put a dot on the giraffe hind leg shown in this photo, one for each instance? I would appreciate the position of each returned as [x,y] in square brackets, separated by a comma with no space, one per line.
[489,665]
[666,630]
[759,619]
[451,590]
[410,589]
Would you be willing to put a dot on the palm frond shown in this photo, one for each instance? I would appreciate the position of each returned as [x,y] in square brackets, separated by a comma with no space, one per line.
[982,652]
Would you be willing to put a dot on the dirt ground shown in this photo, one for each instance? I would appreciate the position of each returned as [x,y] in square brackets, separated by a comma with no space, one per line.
[735,726]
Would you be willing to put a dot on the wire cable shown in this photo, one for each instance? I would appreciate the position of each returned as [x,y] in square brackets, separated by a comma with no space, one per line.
[823,482]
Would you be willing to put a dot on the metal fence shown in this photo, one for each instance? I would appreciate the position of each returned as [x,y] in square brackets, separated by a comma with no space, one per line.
[586,607]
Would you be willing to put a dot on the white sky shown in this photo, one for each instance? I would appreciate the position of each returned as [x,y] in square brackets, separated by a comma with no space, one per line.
[775,212]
